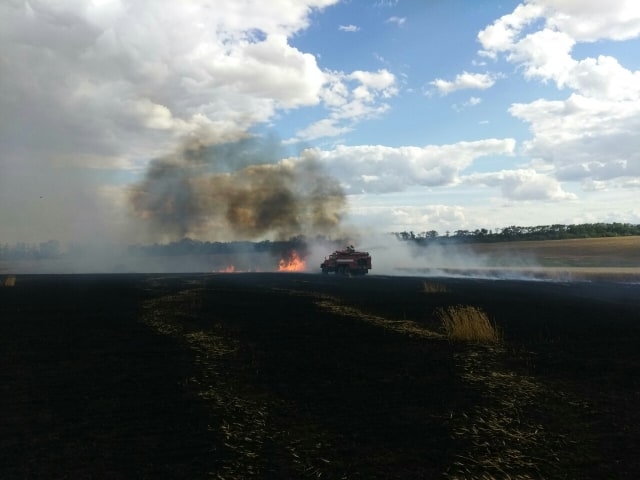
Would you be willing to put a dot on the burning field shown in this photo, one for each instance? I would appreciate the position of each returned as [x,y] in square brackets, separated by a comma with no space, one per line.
[291,261]
[290,375]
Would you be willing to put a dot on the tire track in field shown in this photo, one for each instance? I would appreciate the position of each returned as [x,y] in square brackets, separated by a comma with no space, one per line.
[334,306]
[500,439]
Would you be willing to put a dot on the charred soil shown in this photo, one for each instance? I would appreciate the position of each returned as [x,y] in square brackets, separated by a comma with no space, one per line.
[299,375]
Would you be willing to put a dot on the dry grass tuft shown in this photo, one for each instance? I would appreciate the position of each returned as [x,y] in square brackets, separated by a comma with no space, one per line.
[429,287]
[10,281]
[468,324]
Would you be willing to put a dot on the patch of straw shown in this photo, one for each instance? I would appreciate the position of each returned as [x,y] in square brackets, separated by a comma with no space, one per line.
[430,287]
[468,324]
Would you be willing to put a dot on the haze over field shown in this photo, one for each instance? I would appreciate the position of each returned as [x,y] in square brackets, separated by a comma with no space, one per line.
[144,121]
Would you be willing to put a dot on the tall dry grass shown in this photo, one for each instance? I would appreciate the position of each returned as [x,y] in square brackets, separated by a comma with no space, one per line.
[468,324]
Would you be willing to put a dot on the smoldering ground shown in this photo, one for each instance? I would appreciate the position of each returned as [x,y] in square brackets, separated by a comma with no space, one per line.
[237,191]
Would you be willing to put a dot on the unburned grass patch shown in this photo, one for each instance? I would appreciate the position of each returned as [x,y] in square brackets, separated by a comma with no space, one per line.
[610,252]
[431,287]
[468,324]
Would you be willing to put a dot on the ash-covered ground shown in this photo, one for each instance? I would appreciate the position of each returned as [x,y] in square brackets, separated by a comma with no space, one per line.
[279,375]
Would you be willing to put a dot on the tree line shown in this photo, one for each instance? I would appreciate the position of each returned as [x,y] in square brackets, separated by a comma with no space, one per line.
[53,249]
[518,233]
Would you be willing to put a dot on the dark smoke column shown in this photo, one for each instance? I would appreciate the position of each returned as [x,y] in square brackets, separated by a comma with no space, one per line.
[184,195]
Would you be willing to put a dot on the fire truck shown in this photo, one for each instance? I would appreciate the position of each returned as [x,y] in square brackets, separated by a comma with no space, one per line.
[347,262]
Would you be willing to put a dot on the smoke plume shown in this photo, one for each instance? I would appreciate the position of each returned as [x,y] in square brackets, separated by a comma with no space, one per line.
[236,191]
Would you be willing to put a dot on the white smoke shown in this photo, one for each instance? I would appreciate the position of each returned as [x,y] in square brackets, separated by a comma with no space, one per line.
[391,256]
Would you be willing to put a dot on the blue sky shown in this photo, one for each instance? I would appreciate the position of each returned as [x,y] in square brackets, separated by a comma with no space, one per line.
[440,115]
[418,42]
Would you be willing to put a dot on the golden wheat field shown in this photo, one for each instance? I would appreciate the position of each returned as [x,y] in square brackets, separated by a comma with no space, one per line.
[580,252]
[615,258]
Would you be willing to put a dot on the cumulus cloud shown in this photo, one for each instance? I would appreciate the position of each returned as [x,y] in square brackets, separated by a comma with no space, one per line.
[382,169]
[592,20]
[350,98]
[584,136]
[541,34]
[397,20]
[403,216]
[500,36]
[422,212]
[130,78]
[591,135]
[522,184]
[464,81]
[327,127]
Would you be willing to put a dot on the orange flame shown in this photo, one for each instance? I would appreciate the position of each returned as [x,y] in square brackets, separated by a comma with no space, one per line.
[229,269]
[293,264]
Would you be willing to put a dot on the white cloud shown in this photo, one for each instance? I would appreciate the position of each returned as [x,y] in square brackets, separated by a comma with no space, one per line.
[591,20]
[584,137]
[464,81]
[545,52]
[435,211]
[580,21]
[382,169]
[604,77]
[349,28]
[591,136]
[522,184]
[130,77]
[472,102]
[382,80]
[327,127]
[350,98]
[397,20]
[404,217]
[500,36]
[148,74]
[385,3]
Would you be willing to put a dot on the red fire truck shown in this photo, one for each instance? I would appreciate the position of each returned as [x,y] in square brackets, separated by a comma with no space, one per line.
[347,262]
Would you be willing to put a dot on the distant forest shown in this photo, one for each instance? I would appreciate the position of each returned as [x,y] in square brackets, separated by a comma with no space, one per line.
[53,249]
[516,233]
